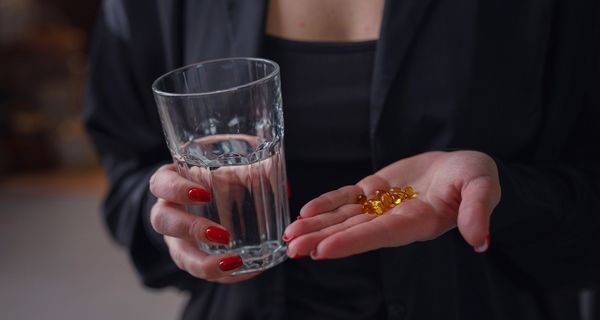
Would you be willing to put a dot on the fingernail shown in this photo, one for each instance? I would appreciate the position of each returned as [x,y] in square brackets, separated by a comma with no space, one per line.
[286,238]
[198,194]
[313,255]
[217,234]
[230,263]
[299,217]
[486,244]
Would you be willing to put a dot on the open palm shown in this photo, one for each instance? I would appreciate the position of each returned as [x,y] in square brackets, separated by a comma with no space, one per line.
[459,188]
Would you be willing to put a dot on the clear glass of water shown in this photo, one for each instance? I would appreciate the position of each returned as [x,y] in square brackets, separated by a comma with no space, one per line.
[223,123]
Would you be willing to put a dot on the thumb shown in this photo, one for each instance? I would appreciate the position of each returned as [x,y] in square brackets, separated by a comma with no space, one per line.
[479,198]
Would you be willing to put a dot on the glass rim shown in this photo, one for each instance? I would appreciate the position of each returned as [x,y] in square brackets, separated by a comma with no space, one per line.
[271,75]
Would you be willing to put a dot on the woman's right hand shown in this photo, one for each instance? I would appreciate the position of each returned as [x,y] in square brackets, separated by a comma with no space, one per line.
[182,230]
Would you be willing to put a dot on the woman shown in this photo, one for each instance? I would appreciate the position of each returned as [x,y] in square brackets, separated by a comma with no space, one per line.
[483,107]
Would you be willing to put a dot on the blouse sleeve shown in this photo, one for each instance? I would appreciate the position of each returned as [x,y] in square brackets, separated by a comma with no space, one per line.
[548,221]
[122,121]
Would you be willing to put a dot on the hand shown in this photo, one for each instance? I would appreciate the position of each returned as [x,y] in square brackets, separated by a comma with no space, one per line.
[454,189]
[182,231]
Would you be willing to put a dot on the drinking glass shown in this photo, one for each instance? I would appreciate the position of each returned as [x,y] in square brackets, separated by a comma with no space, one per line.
[223,124]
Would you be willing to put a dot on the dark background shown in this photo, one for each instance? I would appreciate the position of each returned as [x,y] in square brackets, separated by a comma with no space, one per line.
[43,46]
[56,259]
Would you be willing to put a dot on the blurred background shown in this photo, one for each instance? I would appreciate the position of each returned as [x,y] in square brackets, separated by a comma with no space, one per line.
[56,259]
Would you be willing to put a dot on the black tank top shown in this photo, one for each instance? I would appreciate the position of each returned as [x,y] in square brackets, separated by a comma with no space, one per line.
[326,88]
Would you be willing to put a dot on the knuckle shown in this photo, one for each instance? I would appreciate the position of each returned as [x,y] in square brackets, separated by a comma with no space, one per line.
[196,229]
[155,179]
[305,225]
[171,184]
[158,219]
[318,224]
[200,270]
[329,201]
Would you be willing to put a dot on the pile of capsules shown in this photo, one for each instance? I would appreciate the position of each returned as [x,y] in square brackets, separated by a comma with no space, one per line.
[385,200]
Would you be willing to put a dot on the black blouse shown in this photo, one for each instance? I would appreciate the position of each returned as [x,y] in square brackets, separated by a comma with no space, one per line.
[326,87]
[326,91]
[519,80]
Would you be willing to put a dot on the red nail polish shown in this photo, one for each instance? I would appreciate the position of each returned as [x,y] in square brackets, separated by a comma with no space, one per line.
[298,256]
[198,194]
[230,263]
[299,217]
[286,238]
[217,234]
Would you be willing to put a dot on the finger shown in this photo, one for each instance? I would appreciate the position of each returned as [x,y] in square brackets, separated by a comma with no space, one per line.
[330,201]
[373,183]
[479,198]
[167,184]
[321,221]
[306,244]
[170,219]
[412,221]
[189,258]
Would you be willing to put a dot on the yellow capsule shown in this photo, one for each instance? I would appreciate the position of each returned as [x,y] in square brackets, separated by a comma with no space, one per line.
[377,206]
[396,190]
[397,199]
[367,208]
[385,198]
[379,192]
[361,199]
[398,194]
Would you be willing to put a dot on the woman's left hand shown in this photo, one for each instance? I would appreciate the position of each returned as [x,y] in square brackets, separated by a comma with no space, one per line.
[459,188]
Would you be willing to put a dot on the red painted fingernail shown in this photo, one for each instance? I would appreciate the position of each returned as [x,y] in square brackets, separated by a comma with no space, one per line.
[230,263]
[298,256]
[198,194]
[217,234]
[299,217]
[286,238]
[486,244]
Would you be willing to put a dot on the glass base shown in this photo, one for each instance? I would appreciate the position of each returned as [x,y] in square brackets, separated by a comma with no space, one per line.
[256,258]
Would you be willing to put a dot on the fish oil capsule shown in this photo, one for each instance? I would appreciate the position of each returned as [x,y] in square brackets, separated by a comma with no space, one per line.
[396,190]
[410,192]
[376,206]
[399,192]
[396,199]
[385,198]
[368,208]
[361,199]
